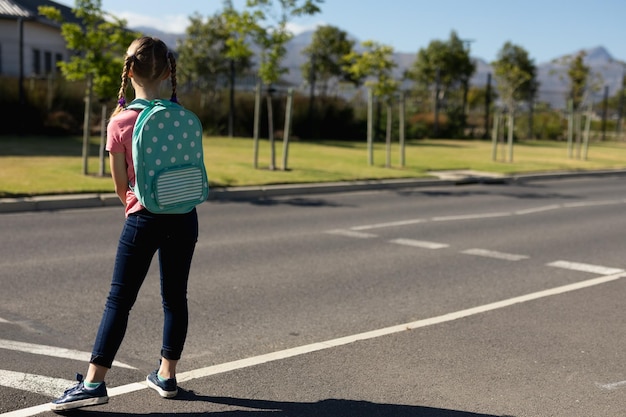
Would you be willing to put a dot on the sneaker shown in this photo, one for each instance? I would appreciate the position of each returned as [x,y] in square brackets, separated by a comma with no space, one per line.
[166,389]
[79,396]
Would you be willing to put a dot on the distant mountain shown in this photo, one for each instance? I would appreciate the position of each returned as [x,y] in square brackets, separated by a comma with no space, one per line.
[170,39]
[552,75]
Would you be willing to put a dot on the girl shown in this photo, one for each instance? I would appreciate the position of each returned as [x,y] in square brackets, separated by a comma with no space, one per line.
[148,62]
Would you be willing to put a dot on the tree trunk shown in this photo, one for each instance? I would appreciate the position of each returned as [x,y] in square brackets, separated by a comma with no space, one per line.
[511,126]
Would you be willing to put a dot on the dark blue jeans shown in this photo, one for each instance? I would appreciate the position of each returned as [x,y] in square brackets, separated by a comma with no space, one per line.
[174,236]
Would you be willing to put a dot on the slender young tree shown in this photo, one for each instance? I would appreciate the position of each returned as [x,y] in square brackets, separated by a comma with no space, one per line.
[271,36]
[375,64]
[442,71]
[515,75]
[99,43]
[325,56]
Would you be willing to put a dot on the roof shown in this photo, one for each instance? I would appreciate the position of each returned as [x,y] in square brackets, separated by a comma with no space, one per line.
[11,9]
[28,9]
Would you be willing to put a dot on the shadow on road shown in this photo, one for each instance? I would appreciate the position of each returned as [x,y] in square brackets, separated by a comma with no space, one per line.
[324,408]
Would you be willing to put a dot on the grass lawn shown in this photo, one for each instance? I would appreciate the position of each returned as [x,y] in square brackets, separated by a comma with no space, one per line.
[53,165]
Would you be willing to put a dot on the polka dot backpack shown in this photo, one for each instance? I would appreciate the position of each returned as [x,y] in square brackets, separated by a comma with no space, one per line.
[170,175]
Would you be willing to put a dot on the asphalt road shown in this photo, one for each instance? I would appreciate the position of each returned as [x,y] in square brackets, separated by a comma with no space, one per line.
[476,300]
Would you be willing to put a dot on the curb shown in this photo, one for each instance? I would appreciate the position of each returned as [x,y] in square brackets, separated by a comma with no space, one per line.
[81,201]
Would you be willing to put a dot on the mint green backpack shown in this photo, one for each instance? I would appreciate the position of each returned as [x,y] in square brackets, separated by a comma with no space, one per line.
[170,175]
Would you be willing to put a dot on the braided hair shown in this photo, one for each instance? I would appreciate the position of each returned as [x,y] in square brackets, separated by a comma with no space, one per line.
[148,58]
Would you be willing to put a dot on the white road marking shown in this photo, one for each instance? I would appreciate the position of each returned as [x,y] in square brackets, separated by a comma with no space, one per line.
[594,269]
[470,216]
[490,215]
[56,352]
[389,224]
[495,254]
[592,203]
[612,386]
[419,243]
[3,320]
[351,233]
[538,209]
[44,385]
[314,347]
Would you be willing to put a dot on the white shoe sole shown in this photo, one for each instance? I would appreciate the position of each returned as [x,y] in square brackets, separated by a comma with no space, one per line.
[162,393]
[78,404]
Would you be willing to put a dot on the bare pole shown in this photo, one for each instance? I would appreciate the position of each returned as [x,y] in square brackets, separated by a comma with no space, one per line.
[401,116]
[257,118]
[370,116]
[286,131]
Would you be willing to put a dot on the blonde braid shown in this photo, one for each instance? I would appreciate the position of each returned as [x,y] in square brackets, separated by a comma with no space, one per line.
[121,95]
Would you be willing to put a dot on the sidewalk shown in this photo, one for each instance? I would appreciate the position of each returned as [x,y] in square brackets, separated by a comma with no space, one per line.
[442,178]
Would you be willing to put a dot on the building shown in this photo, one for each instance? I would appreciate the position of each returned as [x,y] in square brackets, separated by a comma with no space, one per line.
[30,44]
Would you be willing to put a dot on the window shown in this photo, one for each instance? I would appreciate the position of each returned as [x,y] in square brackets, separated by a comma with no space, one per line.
[36,61]
[57,58]
[47,60]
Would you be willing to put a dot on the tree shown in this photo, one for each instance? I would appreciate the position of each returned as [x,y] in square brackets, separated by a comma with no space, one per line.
[201,53]
[271,36]
[206,55]
[99,44]
[325,55]
[582,85]
[376,63]
[515,75]
[447,66]
[239,26]
[578,74]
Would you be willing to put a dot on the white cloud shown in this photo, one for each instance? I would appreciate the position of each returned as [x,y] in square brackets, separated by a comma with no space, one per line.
[296,28]
[169,24]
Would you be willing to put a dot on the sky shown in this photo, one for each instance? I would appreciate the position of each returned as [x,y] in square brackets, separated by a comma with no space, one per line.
[546,29]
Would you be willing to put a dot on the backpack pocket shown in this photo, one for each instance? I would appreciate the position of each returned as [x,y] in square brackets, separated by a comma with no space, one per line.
[180,186]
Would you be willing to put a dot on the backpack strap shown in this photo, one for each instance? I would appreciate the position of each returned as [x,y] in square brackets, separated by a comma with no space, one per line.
[140,104]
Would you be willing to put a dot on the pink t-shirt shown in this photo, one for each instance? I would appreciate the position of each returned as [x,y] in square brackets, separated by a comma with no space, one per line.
[120,140]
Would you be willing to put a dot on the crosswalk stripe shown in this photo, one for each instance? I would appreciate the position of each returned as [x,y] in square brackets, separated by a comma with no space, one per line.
[56,352]
[44,385]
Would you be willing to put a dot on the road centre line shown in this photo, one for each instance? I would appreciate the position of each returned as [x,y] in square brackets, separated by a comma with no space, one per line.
[314,347]
[594,269]
[494,254]
[470,216]
[592,203]
[351,233]
[612,386]
[389,224]
[419,243]
[53,351]
[538,209]
[478,216]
